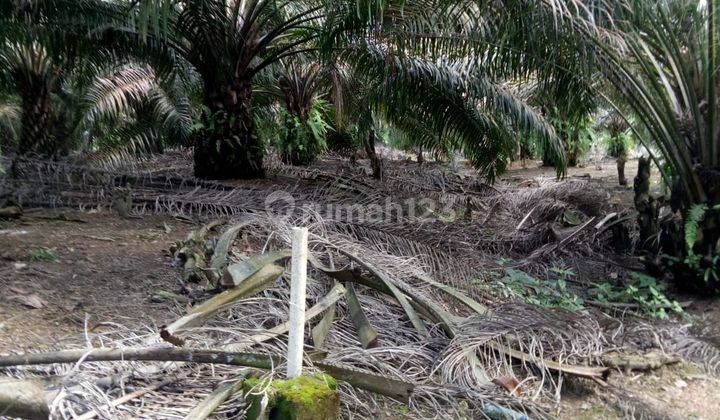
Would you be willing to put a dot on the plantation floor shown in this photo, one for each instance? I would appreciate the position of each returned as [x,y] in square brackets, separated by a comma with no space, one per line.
[108,268]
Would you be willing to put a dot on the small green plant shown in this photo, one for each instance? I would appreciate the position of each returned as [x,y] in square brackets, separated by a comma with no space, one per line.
[301,140]
[41,254]
[551,293]
[643,291]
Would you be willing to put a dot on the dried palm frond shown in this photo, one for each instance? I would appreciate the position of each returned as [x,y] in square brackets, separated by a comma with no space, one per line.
[561,336]
[10,114]
[699,347]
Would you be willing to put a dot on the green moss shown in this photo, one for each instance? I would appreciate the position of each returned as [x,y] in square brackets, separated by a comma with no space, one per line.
[303,398]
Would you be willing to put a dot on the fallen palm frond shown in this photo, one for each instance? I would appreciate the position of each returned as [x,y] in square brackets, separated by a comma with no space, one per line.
[241,271]
[217,397]
[125,398]
[250,285]
[337,292]
[698,347]
[435,312]
[368,335]
[550,340]
[320,330]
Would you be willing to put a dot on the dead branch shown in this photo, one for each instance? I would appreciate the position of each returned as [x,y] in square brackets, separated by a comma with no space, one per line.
[394,388]
[364,380]
[162,354]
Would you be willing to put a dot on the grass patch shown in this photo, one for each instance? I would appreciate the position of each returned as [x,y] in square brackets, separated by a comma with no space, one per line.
[42,254]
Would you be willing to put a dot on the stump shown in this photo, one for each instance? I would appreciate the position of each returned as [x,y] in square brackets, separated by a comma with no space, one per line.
[302,398]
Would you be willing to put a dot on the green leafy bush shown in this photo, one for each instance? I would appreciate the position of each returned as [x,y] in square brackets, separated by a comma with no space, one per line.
[301,141]
[551,293]
[706,267]
[643,291]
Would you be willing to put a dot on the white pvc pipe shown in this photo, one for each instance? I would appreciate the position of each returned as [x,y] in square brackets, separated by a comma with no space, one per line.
[296,336]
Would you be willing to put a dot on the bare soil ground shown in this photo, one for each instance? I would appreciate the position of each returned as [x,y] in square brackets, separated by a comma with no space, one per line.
[108,268]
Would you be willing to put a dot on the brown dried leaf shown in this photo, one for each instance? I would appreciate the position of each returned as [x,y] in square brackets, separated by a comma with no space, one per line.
[510,384]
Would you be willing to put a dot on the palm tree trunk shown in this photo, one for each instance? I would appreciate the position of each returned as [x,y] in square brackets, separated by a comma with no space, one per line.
[573,148]
[37,118]
[375,163]
[647,208]
[228,147]
[621,169]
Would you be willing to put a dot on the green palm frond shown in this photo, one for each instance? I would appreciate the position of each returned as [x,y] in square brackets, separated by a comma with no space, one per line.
[112,97]
[661,60]
[134,92]
[126,143]
[480,117]
[173,109]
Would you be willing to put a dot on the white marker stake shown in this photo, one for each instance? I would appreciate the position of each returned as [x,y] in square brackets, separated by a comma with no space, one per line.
[296,337]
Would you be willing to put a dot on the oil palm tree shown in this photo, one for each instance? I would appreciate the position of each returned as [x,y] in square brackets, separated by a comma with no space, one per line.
[662,61]
[228,44]
[122,109]
[431,58]
[617,128]
[38,52]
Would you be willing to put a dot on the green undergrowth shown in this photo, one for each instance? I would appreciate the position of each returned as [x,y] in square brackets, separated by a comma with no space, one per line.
[41,254]
[549,293]
[639,292]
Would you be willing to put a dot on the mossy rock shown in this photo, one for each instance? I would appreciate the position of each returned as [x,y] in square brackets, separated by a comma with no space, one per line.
[303,398]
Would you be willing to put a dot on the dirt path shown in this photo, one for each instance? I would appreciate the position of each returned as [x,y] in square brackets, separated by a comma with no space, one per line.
[106,271]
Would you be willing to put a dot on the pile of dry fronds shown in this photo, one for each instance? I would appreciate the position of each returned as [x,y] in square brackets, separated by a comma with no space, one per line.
[396,291]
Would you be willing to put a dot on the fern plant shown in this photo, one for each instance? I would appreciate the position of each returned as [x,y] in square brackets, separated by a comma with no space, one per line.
[693,226]
[694,217]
